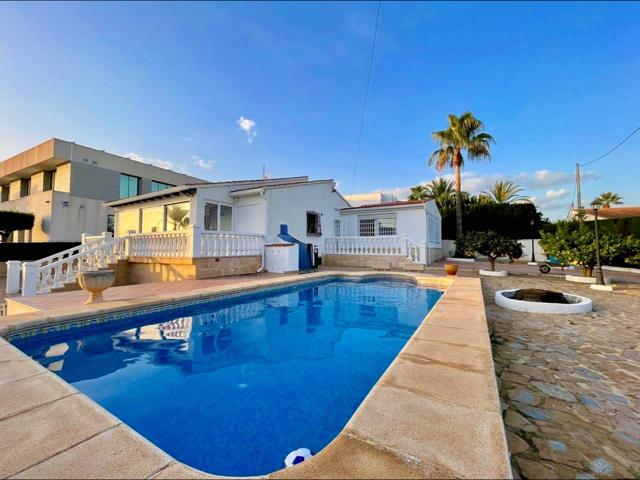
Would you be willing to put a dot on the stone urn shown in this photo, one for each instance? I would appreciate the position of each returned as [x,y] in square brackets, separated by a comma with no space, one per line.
[451,268]
[95,282]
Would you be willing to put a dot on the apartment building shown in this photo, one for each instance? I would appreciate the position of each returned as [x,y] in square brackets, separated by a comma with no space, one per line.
[65,185]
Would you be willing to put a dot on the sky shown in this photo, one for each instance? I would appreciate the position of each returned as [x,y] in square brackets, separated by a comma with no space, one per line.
[218,90]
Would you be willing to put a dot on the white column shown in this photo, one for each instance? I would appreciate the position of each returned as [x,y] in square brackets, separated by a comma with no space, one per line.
[195,237]
[13,276]
[29,279]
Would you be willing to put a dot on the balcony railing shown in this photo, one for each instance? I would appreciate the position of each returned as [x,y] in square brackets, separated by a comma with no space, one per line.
[400,245]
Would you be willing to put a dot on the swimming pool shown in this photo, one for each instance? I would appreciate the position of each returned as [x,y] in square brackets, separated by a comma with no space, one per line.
[232,386]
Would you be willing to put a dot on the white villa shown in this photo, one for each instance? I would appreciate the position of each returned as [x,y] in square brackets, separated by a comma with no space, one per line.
[205,230]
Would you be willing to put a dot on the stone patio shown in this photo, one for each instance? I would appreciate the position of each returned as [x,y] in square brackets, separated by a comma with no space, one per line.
[569,384]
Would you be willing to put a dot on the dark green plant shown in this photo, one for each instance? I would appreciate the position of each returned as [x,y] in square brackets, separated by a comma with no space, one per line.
[493,246]
[12,221]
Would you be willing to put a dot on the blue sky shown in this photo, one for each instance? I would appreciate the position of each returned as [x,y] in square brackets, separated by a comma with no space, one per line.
[555,83]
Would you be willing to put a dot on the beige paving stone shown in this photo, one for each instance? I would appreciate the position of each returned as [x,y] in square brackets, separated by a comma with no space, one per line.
[458,356]
[453,336]
[349,457]
[30,392]
[115,453]
[456,385]
[468,441]
[33,436]
[13,370]
[177,470]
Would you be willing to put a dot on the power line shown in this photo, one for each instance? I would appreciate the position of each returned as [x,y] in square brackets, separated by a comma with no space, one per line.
[613,149]
[366,96]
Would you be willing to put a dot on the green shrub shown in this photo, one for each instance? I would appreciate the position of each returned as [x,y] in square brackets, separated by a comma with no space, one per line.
[493,246]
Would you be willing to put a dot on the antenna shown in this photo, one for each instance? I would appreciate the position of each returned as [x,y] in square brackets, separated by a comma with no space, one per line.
[264,171]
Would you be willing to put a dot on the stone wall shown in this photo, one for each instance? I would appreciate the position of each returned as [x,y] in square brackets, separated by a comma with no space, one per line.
[167,269]
[374,262]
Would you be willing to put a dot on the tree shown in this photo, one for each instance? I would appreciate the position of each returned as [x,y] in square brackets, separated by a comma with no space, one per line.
[505,191]
[574,243]
[12,221]
[442,191]
[465,133]
[419,192]
[606,199]
[493,246]
[178,216]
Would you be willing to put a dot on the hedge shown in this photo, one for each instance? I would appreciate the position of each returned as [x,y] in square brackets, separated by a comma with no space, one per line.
[621,226]
[32,251]
[511,220]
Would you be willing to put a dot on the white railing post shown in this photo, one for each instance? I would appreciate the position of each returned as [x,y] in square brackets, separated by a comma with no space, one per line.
[107,236]
[195,240]
[29,279]
[13,277]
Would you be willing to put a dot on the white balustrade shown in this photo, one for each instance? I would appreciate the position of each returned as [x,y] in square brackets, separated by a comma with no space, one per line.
[44,275]
[160,244]
[399,245]
[215,244]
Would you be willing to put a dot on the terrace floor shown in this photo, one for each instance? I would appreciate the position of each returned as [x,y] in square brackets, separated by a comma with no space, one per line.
[569,384]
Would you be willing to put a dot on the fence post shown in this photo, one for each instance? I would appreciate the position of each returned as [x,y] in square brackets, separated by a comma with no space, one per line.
[13,276]
[107,235]
[29,279]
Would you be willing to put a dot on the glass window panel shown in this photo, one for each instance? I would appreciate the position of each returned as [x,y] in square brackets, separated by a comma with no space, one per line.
[336,228]
[124,186]
[367,227]
[387,226]
[127,220]
[313,223]
[225,218]
[153,219]
[157,186]
[129,186]
[210,216]
[178,216]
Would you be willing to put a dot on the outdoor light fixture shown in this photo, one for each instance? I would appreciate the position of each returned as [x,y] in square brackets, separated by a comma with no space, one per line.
[533,247]
[599,278]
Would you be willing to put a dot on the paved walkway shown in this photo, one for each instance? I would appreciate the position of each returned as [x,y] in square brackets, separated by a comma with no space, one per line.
[570,384]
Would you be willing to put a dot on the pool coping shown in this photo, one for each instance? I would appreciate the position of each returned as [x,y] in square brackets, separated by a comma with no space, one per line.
[440,392]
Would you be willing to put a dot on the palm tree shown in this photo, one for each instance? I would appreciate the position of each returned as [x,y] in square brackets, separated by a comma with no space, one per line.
[505,191]
[465,133]
[607,199]
[178,216]
[419,192]
[442,191]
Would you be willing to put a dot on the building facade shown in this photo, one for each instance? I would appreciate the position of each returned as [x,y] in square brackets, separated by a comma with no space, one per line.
[65,186]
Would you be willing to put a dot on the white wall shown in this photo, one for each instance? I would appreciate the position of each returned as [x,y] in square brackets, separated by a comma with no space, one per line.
[289,205]
[449,248]
[409,221]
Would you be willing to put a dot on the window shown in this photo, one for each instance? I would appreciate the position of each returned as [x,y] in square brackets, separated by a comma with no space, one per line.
[387,226]
[336,228]
[367,227]
[157,186]
[129,186]
[211,216]
[49,181]
[111,220]
[5,193]
[374,226]
[433,224]
[313,223]
[153,219]
[128,220]
[178,216]
[25,187]
[218,217]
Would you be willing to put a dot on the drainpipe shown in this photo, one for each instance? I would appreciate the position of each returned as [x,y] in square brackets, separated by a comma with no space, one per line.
[266,225]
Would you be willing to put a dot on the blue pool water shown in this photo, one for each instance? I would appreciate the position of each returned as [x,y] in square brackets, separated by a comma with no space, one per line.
[232,386]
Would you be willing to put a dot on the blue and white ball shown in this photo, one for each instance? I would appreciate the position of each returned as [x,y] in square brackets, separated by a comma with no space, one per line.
[297,456]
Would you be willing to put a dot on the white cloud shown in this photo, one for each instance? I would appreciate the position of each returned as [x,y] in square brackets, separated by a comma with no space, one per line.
[151,161]
[249,126]
[204,164]
[192,137]
[547,179]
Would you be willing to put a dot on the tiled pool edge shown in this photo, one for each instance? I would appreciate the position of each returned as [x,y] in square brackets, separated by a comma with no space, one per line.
[440,392]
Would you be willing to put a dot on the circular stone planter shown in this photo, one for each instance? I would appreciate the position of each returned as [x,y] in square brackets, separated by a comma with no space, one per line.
[95,282]
[579,279]
[577,304]
[493,273]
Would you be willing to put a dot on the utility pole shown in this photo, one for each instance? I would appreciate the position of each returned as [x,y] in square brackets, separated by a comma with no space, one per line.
[578,193]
